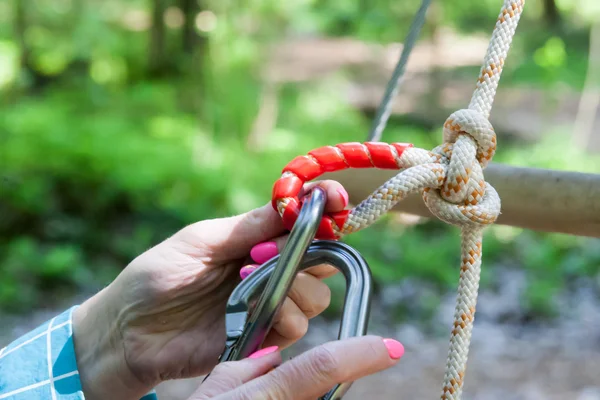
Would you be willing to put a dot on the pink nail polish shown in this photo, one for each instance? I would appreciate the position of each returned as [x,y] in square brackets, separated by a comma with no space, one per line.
[247,270]
[344,195]
[394,348]
[263,252]
[264,352]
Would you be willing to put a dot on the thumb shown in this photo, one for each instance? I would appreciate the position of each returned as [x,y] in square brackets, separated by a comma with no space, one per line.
[236,235]
[229,375]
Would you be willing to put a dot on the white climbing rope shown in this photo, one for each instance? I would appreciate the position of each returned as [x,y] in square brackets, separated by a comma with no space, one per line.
[450,179]
[474,146]
[454,189]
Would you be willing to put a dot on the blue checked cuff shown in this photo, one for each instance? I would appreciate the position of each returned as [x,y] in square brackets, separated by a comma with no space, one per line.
[41,365]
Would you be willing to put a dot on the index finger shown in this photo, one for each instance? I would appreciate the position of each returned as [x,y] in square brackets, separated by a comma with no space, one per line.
[314,373]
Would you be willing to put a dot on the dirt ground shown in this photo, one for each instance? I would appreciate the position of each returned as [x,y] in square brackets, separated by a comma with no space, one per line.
[505,363]
[517,369]
[508,361]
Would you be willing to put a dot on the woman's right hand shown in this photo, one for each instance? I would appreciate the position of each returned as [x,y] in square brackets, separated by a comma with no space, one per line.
[305,377]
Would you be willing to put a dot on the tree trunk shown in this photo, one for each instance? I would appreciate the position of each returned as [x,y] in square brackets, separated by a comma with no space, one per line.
[156,51]
[266,119]
[189,38]
[20,26]
[551,13]
[193,44]
[434,22]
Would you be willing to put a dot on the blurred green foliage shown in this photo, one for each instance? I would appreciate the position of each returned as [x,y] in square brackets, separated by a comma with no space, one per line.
[102,158]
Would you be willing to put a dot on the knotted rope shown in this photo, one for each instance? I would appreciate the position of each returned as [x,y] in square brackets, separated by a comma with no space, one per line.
[450,179]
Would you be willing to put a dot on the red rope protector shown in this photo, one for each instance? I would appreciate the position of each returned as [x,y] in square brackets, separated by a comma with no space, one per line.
[305,168]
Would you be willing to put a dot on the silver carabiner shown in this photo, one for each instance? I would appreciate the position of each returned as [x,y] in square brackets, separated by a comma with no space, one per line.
[256,300]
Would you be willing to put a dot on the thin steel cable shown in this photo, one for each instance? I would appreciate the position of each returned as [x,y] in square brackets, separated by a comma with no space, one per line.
[385,107]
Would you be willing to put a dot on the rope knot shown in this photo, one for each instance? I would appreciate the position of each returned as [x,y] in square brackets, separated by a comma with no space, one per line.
[475,125]
[464,198]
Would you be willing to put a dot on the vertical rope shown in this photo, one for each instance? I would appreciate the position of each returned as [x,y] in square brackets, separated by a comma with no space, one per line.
[464,313]
[489,76]
[471,251]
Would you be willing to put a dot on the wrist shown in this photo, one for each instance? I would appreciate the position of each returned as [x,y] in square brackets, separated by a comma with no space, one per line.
[103,370]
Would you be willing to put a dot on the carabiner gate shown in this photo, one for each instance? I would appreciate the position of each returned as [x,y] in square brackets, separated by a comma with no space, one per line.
[250,317]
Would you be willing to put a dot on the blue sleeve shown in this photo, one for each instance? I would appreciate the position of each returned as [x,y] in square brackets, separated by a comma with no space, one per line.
[41,365]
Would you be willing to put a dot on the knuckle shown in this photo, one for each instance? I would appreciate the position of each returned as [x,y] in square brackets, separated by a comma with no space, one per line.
[325,364]
[221,369]
[223,378]
[247,393]
[255,219]
[189,233]
[226,376]
[298,328]
[314,301]
[274,388]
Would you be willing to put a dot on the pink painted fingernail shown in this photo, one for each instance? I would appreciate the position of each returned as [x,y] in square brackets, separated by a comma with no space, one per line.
[344,195]
[263,252]
[247,270]
[394,348]
[264,352]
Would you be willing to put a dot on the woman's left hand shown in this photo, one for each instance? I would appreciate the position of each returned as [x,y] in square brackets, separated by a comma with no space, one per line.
[163,316]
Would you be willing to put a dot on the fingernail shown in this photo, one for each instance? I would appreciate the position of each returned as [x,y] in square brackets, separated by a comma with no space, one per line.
[394,348]
[264,352]
[344,195]
[264,252]
[247,270]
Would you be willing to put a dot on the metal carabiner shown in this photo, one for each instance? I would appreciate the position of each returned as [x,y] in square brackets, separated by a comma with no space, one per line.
[357,301]
[248,319]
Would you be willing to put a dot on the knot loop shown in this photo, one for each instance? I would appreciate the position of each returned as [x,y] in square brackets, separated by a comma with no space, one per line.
[464,198]
[472,123]
[483,213]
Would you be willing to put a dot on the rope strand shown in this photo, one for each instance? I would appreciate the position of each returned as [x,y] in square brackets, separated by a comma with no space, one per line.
[450,179]
[489,76]
[471,248]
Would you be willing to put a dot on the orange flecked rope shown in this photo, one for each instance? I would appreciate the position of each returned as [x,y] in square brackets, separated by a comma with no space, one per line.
[449,177]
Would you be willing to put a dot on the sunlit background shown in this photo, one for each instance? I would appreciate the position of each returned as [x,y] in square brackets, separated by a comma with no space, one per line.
[123,121]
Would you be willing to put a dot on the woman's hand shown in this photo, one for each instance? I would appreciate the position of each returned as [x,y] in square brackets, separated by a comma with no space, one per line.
[163,316]
[307,376]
